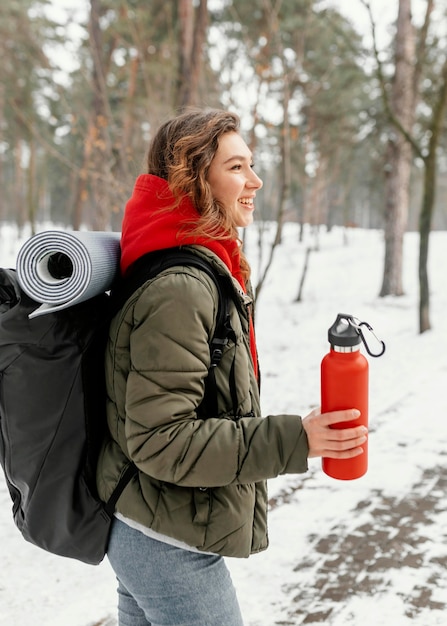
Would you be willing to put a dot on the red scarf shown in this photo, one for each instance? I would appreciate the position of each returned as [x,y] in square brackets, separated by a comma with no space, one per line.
[150,223]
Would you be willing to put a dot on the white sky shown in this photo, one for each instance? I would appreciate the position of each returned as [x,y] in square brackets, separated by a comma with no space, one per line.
[384,12]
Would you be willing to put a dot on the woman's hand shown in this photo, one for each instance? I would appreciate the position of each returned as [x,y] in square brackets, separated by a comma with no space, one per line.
[334,443]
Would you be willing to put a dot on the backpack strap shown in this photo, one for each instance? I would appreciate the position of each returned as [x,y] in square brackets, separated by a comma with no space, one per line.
[130,471]
[149,266]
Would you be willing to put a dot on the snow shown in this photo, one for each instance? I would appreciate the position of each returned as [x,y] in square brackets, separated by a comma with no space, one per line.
[371,551]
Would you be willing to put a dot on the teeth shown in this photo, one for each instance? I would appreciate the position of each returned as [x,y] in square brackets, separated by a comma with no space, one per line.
[246,201]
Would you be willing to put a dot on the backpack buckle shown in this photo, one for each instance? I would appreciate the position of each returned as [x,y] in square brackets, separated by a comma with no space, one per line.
[217,347]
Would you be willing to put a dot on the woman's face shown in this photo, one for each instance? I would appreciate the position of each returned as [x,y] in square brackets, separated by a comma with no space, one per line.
[232,180]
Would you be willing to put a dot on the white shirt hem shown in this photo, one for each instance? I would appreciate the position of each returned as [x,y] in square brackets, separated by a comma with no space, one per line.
[158,536]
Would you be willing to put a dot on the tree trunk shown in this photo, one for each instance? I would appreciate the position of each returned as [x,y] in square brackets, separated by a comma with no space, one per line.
[424,234]
[193,25]
[95,174]
[399,153]
[397,182]
[299,296]
[18,196]
[284,187]
[428,202]
[31,186]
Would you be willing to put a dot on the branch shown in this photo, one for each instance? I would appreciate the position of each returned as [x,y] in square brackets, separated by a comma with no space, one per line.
[49,147]
[438,110]
[422,44]
[381,76]
[40,139]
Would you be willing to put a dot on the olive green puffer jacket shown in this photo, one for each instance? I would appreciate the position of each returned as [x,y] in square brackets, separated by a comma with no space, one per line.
[200,481]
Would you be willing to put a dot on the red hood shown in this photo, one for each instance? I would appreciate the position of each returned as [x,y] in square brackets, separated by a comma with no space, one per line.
[150,223]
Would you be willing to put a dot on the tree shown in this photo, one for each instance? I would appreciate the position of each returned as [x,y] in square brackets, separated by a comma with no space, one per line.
[430,159]
[399,155]
[430,68]
[97,148]
[25,84]
[307,90]
[143,61]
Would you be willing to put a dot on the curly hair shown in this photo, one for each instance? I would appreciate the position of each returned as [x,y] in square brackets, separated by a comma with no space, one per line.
[181,152]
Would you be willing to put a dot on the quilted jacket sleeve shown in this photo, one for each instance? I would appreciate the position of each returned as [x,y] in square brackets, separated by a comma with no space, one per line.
[173,321]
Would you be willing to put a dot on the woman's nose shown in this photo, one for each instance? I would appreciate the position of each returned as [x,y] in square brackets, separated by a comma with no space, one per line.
[255,181]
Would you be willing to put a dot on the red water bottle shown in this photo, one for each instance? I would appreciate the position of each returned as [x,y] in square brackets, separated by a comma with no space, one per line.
[344,385]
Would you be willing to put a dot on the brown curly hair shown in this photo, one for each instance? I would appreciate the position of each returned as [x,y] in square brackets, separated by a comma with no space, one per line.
[181,152]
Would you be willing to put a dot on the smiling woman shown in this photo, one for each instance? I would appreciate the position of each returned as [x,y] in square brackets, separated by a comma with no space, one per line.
[200,493]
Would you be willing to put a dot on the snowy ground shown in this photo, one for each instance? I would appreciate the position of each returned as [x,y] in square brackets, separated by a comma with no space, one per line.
[371,551]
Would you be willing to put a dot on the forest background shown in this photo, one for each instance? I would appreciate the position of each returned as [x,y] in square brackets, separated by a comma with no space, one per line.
[345,130]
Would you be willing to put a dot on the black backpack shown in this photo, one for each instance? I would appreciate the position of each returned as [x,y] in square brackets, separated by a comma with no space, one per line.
[52,407]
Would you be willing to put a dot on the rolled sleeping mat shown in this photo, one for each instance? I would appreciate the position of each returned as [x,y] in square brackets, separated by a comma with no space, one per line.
[62,268]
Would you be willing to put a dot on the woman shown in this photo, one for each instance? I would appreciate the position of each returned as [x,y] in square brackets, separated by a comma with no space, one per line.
[200,492]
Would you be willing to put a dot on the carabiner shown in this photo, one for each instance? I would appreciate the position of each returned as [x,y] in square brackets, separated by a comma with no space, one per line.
[362,336]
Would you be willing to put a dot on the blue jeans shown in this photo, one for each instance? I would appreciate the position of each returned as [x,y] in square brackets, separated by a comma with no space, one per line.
[162,585]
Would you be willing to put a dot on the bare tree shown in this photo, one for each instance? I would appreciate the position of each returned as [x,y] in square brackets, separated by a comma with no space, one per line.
[426,153]
[399,156]
[285,141]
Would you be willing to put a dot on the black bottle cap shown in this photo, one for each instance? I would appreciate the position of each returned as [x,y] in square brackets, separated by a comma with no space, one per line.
[343,333]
